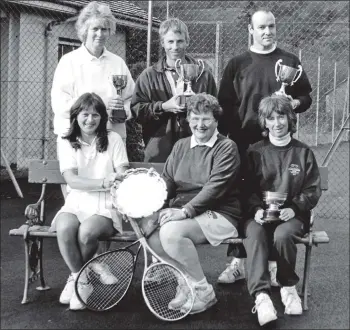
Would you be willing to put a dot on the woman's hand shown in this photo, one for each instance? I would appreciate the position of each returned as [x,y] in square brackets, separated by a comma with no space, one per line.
[109,180]
[170,214]
[259,216]
[287,214]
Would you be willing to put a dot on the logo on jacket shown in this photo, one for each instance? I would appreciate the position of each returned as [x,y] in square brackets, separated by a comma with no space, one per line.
[294,169]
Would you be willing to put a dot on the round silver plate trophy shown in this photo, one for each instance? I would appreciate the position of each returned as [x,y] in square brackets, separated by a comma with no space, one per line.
[273,202]
[119,81]
[189,72]
[140,194]
[287,75]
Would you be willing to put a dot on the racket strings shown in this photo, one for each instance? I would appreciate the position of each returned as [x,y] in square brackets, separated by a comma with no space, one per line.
[161,284]
[109,276]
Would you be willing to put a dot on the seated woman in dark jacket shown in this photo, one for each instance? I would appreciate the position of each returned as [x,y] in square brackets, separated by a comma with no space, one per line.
[201,176]
[285,165]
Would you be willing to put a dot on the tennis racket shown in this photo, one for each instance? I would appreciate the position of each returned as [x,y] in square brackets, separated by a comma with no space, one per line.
[104,280]
[162,282]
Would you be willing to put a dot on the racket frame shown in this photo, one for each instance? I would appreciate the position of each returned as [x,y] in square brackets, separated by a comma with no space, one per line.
[100,256]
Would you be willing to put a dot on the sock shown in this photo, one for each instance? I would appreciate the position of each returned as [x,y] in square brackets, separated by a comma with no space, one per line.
[75,275]
[203,283]
[237,261]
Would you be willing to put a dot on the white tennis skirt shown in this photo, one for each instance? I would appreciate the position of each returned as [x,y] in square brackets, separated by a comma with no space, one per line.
[216,228]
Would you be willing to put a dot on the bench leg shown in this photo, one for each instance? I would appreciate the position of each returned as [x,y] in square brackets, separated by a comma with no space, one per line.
[305,287]
[26,272]
[43,286]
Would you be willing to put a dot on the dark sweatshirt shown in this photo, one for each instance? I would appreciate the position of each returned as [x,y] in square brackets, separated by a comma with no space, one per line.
[246,80]
[162,129]
[204,178]
[290,169]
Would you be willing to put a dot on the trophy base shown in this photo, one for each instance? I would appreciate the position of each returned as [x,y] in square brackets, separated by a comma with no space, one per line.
[118,116]
[271,216]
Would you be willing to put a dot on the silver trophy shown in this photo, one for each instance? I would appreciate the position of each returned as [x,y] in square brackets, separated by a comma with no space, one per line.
[119,81]
[273,201]
[189,72]
[287,75]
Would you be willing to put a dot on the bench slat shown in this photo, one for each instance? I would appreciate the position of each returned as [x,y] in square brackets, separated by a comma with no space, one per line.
[318,237]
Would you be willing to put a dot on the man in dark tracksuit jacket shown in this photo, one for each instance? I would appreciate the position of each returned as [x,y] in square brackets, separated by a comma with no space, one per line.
[155,102]
[248,78]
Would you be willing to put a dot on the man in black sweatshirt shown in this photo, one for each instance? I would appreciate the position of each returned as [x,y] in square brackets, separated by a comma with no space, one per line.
[248,78]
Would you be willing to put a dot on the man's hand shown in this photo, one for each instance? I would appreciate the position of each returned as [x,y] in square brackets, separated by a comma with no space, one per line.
[170,214]
[259,217]
[287,214]
[173,106]
[114,105]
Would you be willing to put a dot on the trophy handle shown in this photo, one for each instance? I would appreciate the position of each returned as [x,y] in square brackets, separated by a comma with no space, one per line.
[178,61]
[277,69]
[201,64]
[297,75]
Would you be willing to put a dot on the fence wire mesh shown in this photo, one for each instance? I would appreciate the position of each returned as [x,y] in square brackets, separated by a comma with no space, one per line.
[35,34]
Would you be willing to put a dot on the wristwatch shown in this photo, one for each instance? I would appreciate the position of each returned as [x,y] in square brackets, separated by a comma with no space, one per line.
[185,212]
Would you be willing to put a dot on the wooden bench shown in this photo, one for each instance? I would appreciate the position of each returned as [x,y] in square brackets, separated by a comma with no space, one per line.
[35,230]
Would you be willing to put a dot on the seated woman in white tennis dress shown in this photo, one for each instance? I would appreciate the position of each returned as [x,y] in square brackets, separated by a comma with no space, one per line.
[91,159]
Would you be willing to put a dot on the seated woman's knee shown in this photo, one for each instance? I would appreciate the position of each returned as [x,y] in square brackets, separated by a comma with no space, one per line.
[282,234]
[255,231]
[170,233]
[66,227]
[87,235]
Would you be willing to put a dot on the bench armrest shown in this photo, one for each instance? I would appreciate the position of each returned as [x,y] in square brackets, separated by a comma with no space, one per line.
[34,213]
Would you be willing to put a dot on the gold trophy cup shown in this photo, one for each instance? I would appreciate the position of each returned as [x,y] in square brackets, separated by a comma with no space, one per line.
[119,81]
[287,75]
[273,201]
[189,72]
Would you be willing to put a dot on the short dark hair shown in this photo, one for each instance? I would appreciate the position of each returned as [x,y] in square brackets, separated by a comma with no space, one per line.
[84,102]
[203,103]
[280,104]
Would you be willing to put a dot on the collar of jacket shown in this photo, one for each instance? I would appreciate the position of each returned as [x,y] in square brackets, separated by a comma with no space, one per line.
[159,66]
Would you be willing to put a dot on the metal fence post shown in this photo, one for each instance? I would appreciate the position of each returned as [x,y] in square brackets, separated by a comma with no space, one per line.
[149,33]
[318,98]
[334,92]
[217,51]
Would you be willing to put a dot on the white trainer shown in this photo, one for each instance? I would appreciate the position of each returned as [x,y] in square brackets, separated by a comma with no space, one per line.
[68,290]
[233,272]
[204,298]
[181,297]
[273,273]
[291,300]
[265,309]
[85,291]
[104,272]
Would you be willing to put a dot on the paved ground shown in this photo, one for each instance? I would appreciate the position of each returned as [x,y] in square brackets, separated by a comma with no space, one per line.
[329,303]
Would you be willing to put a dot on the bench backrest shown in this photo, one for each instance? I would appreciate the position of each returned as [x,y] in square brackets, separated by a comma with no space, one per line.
[48,171]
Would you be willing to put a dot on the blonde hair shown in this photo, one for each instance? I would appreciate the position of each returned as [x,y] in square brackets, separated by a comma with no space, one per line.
[94,10]
[175,25]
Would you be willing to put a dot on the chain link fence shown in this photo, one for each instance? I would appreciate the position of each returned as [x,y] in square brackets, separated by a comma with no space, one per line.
[318,33]
[35,35]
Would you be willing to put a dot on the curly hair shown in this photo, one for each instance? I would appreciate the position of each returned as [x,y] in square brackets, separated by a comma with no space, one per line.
[203,103]
[175,25]
[280,104]
[94,10]
[85,101]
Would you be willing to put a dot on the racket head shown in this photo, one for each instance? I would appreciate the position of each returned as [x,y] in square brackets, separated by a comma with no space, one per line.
[101,293]
[161,283]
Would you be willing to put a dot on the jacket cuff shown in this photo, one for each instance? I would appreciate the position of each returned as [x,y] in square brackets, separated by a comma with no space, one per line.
[157,109]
